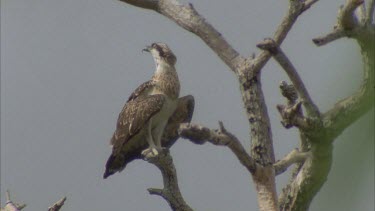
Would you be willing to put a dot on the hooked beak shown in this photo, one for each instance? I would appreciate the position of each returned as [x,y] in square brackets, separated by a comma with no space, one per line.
[147,49]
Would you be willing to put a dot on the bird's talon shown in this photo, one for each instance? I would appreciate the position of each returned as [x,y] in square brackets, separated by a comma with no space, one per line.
[154,151]
[150,152]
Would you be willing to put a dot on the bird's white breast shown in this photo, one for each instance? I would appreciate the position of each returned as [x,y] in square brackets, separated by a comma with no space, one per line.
[160,119]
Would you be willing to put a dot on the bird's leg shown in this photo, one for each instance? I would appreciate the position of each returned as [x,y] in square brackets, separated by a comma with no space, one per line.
[151,151]
[159,136]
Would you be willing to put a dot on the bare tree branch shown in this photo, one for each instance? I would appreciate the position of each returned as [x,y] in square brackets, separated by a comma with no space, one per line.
[57,206]
[312,174]
[347,18]
[307,180]
[335,35]
[199,135]
[252,93]
[347,24]
[295,156]
[296,8]
[346,111]
[286,64]
[171,191]
[10,205]
[292,116]
[256,109]
[188,18]
[291,113]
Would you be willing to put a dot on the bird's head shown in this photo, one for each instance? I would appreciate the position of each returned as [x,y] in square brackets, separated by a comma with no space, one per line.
[161,53]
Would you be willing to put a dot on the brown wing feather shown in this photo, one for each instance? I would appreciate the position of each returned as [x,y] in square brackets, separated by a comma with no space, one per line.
[132,119]
[183,114]
[134,116]
[142,90]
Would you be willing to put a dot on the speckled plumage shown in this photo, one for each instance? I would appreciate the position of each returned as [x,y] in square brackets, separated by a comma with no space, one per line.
[143,90]
[172,88]
[147,111]
[133,117]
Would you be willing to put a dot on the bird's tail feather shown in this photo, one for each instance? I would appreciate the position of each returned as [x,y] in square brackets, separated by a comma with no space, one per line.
[114,164]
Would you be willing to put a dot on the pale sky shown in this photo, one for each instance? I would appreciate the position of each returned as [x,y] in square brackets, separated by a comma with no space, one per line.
[67,67]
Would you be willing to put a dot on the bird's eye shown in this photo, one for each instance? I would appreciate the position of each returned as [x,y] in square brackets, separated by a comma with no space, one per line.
[153,45]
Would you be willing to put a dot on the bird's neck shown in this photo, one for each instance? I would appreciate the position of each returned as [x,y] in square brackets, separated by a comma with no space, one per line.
[166,80]
[163,67]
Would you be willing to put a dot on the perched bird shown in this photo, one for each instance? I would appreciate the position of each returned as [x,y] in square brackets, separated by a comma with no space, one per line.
[154,107]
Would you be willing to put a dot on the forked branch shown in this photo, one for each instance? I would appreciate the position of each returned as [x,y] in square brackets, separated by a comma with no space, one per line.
[296,8]
[309,177]
[277,53]
[347,24]
[348,110]
[10,205]
[171,191]
[199,135]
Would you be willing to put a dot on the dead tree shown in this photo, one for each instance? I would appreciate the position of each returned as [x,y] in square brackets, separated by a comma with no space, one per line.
[313,157]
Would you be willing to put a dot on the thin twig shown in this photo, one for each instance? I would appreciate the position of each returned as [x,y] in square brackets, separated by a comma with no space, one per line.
[57,206]
[347,24]
[295,156]
[335,35]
